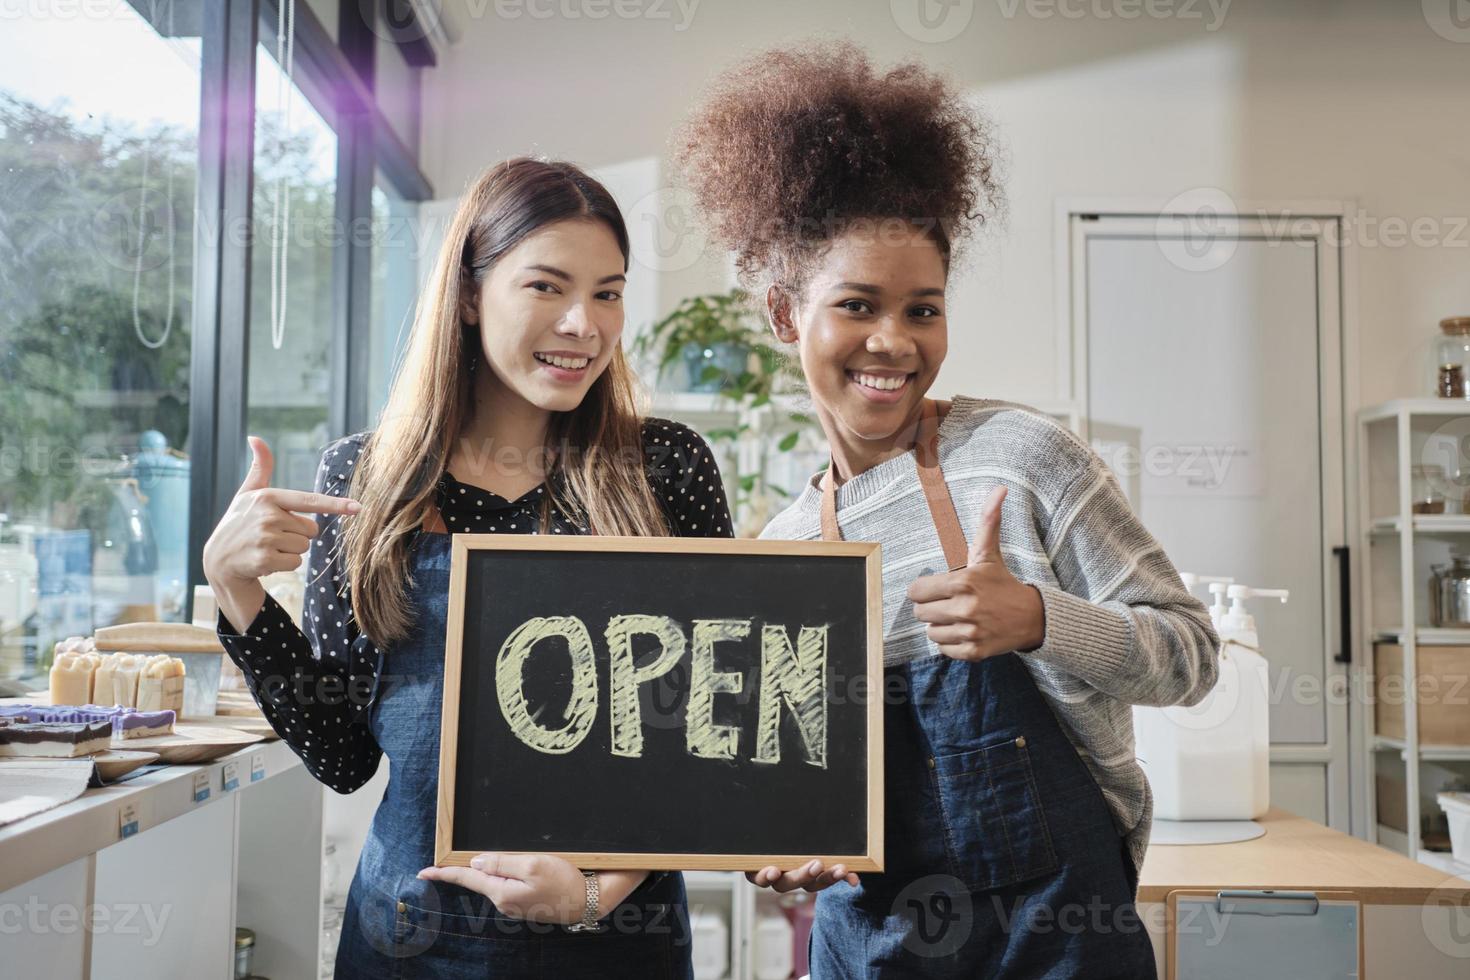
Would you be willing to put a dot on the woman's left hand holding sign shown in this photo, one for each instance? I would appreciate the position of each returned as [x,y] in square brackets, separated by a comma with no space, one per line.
[536,887]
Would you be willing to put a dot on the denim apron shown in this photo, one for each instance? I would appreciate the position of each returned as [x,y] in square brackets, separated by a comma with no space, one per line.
[398,926]
[1001,856]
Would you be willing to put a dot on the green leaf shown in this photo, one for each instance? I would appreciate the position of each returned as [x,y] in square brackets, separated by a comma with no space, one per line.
[789,442]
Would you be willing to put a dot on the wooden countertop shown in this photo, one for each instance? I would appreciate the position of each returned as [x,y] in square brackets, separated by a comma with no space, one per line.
[1300,855]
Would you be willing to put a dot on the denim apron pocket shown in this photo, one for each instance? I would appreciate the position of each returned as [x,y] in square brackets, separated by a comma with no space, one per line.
[995,830]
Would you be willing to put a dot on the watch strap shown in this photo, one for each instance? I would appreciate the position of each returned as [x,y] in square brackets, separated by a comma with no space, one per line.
[590,910]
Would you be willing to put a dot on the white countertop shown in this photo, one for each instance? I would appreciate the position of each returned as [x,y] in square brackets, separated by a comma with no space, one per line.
[38,844]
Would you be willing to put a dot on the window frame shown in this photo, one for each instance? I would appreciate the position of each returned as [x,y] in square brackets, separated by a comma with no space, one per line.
[338,78]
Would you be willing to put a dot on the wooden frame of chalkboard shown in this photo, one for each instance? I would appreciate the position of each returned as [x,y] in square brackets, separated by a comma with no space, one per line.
[811,576]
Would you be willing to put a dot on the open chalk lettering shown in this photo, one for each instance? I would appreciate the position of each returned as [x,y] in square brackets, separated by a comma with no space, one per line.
[793,675]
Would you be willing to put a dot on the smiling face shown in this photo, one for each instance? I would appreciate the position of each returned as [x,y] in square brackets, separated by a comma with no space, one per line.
[551,314]
[871,333]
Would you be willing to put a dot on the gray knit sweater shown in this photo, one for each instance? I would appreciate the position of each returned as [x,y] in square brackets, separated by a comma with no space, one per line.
[1120,627]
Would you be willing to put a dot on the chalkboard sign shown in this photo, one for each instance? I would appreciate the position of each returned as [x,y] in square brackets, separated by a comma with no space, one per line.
[663,703]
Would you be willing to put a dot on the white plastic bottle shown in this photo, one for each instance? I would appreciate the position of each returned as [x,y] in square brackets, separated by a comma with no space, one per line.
[773,952]
[1212,761]
[711,943]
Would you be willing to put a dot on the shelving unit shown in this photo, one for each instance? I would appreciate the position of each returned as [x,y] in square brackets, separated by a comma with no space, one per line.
[1398,548]
[248,856]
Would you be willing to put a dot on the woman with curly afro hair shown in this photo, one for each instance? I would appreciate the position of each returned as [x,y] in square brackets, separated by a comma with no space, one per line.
[1026,608]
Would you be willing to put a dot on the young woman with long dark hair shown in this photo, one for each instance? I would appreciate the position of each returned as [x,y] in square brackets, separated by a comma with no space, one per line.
[513,413]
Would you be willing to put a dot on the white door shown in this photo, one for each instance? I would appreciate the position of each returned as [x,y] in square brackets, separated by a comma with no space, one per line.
[1208,370]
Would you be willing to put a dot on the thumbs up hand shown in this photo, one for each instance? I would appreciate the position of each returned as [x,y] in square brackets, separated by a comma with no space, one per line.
[980,610]
[264,530]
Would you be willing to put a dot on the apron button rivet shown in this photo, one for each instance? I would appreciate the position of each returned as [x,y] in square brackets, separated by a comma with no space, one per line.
[931,762]
[402,907]
[1021,742]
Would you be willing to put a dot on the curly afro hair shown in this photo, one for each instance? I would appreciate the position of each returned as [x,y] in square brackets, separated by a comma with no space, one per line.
[796,146]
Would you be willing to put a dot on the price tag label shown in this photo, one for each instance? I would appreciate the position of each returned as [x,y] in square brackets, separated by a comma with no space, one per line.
[257,767]
[201,786]
[232,776]
[127,821]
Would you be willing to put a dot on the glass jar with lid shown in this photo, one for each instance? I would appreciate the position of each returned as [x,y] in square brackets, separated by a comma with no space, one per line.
[1426,489]
[1452,358]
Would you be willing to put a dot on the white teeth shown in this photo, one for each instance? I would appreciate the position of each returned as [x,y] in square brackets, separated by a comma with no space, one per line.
[570,363]
[882,384]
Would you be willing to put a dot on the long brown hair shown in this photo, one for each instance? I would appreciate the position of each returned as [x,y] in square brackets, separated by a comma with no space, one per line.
[596,448]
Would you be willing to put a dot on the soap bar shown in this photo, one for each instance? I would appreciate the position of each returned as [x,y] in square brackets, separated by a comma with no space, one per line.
[161,684]
[72,674]
[54,741]
[125,670]
[105,680]
[126,722]
[144,724]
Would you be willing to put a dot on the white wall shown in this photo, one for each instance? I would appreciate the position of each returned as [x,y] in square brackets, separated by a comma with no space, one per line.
[1301,100]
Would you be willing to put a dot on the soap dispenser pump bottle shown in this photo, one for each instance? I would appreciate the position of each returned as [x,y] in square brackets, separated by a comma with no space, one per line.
[1211,761]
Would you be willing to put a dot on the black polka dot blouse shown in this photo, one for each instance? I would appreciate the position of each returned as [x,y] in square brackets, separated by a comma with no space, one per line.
[315,682]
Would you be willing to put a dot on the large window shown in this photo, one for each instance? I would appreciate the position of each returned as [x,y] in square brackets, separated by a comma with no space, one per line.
[98,162]
[158,301]
[396,237]
[291,274]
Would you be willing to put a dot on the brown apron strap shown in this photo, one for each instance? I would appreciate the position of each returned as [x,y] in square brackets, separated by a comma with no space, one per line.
[830,530]
[931,480]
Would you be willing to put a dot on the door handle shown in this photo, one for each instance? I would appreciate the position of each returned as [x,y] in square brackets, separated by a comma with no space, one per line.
[1344,606]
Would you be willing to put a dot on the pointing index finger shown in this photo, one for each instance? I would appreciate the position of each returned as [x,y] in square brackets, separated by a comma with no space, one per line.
[303,502]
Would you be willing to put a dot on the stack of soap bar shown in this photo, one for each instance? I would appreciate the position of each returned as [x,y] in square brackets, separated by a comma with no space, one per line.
[150,683]
[161,684]
[126,722]
[54,741]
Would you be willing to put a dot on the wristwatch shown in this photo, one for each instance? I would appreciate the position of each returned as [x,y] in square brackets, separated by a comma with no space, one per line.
[589,921]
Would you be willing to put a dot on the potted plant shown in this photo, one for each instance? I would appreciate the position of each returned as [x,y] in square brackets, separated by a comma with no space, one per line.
[711,335]
[723,346]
